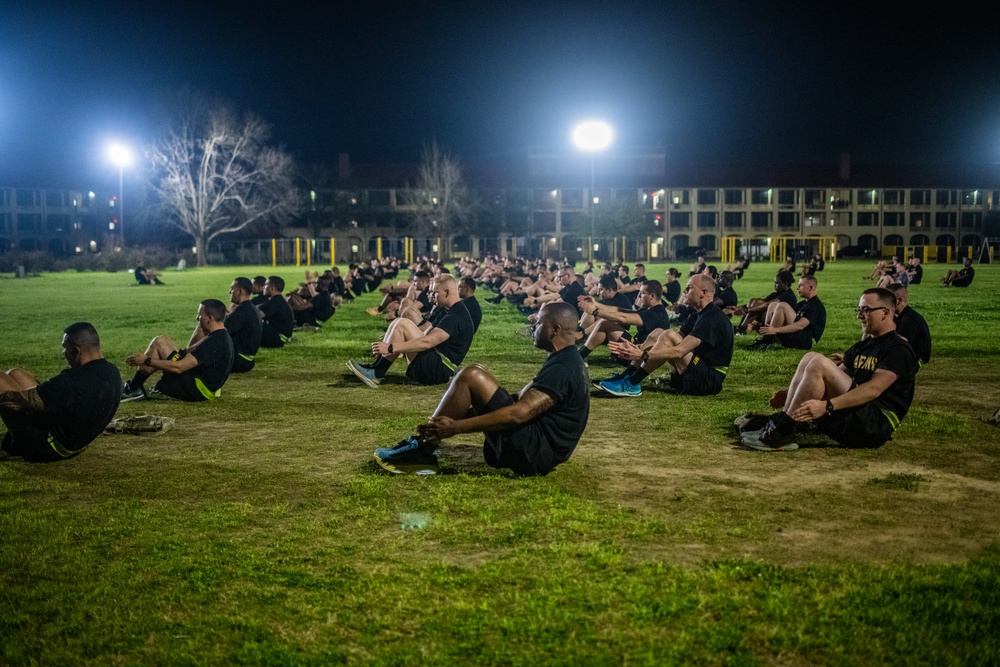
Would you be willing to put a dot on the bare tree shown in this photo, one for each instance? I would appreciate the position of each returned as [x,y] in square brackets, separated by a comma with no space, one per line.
[440,201]
[213,173]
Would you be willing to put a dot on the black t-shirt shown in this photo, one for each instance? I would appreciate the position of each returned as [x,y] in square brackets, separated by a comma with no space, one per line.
[215,359]
[322,306]
[655,317]
[912,326]
[686,317]
[787,296]
[918,274]
[139,277]
[620,301]
[258,299]
[697,269]
[814,311]
[80,402]
[457,323]
[715,332]
[888,352]
[475,311]
[571,293]
[639,280]
[424,299]
[965,276]
[728,297]
[564,377]
[244,327]
[672,291]
[278,314]
[337,285]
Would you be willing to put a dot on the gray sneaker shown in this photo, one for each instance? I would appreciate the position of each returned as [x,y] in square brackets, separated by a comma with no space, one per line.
[130,394]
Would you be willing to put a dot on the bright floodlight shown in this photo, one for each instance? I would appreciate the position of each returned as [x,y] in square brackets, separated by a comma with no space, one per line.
[120,155]
[593,135]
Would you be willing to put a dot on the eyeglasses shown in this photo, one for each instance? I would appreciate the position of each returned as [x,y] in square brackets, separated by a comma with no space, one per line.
[864,310]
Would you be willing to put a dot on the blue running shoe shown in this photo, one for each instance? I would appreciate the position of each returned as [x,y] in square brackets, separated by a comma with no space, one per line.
[366,375]
[622,388]
[406,458]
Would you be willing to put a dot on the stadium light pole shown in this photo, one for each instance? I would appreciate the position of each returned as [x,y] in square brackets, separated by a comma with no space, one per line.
[592,136]
[121,156]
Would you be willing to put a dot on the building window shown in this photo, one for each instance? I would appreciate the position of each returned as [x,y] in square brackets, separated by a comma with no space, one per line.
[55,198]
[733,197]
[867,197]
[892,219]
[734,219]
[761,197]
[920,197]
[919,220]
[893,197]
[760,220]
[6,224]
[945,220]
[707,197]
[788,220]
[29,222]
[57,223]
[946,197]
[815,198]
[971,198]
[26,197]
[707,219]
[629,197]
[867,219]
[680,198]
[378,198]
[972,219]
[572,198]
[788,199]
[680,219]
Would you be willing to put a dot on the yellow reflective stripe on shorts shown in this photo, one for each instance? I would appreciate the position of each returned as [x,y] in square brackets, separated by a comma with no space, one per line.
[205,391]
[447,362]
[283,338]
[248,357]
[722,369]
[891,416]
[59,449]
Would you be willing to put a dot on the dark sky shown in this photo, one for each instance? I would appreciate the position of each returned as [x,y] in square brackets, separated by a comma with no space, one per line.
[709,81]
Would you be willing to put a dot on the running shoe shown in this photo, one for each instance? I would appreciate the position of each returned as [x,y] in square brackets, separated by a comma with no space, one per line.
[130,394]
[406,458]
[622,388]
[366,375]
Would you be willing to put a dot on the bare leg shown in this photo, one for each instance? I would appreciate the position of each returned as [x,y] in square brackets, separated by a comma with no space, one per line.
[815,378]
[779,314]
[471,388]
[17,379]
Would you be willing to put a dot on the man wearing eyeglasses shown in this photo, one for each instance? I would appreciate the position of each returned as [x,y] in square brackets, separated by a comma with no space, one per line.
[858,403]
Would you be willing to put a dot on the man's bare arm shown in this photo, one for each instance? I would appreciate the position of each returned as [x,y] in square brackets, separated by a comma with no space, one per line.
[532,404]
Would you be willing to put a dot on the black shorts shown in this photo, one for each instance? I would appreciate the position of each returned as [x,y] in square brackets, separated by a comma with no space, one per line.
[428,368]
[699,379]
[270,337]
[519,449]
[863,427]
[799,340]
[33,443]
[181,387]
[241,365]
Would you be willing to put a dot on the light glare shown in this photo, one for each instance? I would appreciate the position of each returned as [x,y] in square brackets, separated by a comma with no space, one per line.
[592,135]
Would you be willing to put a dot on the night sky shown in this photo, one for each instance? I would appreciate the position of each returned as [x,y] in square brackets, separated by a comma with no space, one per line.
[711,82]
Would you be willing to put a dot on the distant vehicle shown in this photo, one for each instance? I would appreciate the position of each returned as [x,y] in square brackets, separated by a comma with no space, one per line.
[853,251]
[690,252]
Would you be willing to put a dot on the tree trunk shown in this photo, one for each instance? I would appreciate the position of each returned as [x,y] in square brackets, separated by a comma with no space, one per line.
[201,250]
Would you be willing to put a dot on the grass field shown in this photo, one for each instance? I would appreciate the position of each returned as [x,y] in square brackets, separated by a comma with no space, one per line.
[260,532]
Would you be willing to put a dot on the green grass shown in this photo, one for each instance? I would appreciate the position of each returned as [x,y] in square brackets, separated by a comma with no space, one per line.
[258,531]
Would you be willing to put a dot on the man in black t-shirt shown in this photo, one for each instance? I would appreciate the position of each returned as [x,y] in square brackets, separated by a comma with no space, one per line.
[915,271]
[58,418]
[432,356]
[911,325]
[698,361]
[467,292]
[278,319]
[612,323]
[795,328]
[570,291]
[754,311]
[672,288]
[530,434]
[244,326]
[725,295]
[858,403]
[317,308]
[257,295]
[610,297]
[962,278]
[193,374]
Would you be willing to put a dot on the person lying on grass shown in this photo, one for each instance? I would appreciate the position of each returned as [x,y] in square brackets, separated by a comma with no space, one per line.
[858,403]
[530,434]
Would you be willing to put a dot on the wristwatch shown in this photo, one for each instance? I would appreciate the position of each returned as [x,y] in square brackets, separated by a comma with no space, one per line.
[148,361]
[595,312]
[390,348]
[645,356]
[829,407]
